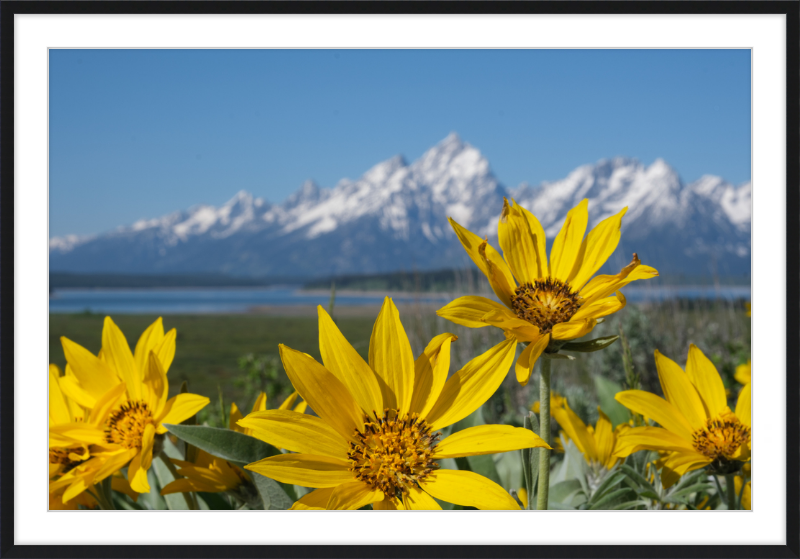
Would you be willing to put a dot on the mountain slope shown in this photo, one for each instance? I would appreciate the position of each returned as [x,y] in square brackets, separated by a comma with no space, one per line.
[394,217]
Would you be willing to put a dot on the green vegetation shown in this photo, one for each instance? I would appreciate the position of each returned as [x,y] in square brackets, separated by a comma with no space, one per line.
[64,280]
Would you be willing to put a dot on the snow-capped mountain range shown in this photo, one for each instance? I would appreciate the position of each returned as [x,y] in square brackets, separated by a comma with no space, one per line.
[395,218]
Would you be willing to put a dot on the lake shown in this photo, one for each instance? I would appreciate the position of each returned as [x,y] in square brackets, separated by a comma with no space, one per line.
[240,300]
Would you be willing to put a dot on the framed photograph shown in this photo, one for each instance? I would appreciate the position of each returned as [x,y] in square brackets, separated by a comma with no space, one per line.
[349,279]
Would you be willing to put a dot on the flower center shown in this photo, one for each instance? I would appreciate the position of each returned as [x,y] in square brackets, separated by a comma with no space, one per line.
[126,425]
[545,303]
[721,437]
[393,453]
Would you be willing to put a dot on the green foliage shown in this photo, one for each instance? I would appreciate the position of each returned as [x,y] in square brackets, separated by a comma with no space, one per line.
[606,390]
[232,446]
[590,346]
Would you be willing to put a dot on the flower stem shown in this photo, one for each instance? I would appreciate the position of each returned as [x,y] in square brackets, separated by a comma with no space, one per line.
[731,490]
[544,433]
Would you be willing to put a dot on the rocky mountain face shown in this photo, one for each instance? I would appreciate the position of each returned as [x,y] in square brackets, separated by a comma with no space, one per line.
[395,218]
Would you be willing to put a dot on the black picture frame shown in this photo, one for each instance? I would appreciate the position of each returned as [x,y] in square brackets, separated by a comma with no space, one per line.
[9,9]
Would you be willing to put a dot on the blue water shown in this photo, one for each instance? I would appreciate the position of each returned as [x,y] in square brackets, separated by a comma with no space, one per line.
[238,300]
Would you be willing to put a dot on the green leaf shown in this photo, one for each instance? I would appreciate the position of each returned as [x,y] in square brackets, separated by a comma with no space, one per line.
[610,498]
[590,345]
[530,458]
[560,491]
[272,495]
[224,443]
[174,501]
[635,476]
[215,501]
[557,356]
[630,505]
[683,494]
[606,390]
[610,482]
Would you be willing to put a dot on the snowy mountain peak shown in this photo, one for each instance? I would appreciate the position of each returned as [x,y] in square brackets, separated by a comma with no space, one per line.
[395,217]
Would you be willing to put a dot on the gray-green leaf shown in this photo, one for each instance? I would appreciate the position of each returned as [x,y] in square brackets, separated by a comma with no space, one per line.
[590,345]
[224,443]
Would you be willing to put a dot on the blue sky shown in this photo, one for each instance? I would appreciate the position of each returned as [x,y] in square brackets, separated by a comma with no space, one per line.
[140,133]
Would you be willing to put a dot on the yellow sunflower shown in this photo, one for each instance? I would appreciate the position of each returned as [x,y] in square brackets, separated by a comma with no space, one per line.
[597,443]
[743,373]
[698,428]
[206,473]
[376,440]
[545,305]
[127,395]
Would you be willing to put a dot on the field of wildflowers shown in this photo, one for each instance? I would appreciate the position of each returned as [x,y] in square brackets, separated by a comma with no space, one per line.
[447,411]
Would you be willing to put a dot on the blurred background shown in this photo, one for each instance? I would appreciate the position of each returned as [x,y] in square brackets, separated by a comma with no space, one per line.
[233,191]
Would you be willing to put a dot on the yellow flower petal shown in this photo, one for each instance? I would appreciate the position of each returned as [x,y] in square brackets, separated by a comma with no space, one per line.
[657,409]
[680,392]
[105,404]
[468,489]
[137,471]
[651,438]
[353,495]
[473,245]
[391,358]
[599,244]
[166,349]
[388,503]
[707,381]
[296,432]
[181,407]
[59,410]
[540,241]
[573,329]
[430,373]
[117,353]
[497,273]
[488,439]
[603,286]
[743,373]
[234,417]
[601,307]
[527,359]
[187,485]
[470,387]
[315,500]
[603,438]
[308,470]
[567,246]
[155,383]
[347,365]
[261,402]
[576,429]
[469,310]
[72,389]
[94,375]
[743,406]
[519,244]
[678,463]
[417,499]
[150,339]
[326,395]
[79,432]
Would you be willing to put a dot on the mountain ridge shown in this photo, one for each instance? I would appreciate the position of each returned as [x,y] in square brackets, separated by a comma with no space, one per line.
[394,217]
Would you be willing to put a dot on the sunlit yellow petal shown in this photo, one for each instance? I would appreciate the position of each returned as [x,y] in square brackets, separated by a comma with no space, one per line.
[234,417]
[706,379]
[678,463]
[576,429]
[540,242]
[353,495]
[105,404]
[117,353]
[651,438]
[261,402]
[59,410]
[602,307]
[567,245]
[468,489]
[599,244]
[573,329]
[603,437]
[307,470]
[657,409]
[604,285]
[417,499]
[470,387]
[527,359]
[181,407]
[391,358]
[679,391]
[520,246]
[469,310]
[743,373]
[743,406]
[473,245]
[315,500]
[296,432]
[326,394]
[347,365]
[430,373]
[498,274]
[155,383]
[488,439]
[93,374]
[166,349]
[150,339]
